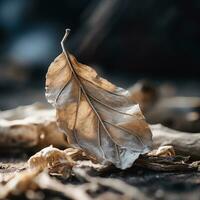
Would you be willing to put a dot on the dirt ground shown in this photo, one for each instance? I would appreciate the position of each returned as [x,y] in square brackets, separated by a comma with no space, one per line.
[155,185]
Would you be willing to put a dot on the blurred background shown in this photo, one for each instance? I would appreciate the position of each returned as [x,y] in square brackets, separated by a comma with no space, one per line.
[125,41]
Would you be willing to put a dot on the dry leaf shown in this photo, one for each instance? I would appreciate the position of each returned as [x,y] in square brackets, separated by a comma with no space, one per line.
[97,116]
[60,162]
[163,151]
[55,160]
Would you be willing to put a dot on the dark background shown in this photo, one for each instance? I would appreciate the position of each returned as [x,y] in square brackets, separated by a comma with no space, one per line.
[125,40]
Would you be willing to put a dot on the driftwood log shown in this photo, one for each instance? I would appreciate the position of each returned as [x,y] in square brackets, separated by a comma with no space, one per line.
[29,127]
[160,105]
[34,127]
[184,143]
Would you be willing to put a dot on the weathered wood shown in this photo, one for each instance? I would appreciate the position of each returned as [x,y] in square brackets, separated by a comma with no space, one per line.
[183,143]
[180,113]
[34,126]
[29,127]
[160,105]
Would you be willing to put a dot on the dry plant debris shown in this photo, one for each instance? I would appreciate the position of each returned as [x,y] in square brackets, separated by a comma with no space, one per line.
[65,164]
[163,151]
[73,162]
[32,181]
[96,115]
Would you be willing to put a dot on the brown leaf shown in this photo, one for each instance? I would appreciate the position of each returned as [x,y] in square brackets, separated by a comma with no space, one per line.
[163,151]
[55,160]
[96,115]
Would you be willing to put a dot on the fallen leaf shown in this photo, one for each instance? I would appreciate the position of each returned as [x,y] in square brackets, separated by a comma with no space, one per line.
[163,151]
[96,115]
[53,159]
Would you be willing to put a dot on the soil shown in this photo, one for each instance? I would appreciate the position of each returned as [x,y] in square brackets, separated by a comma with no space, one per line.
[156,185]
